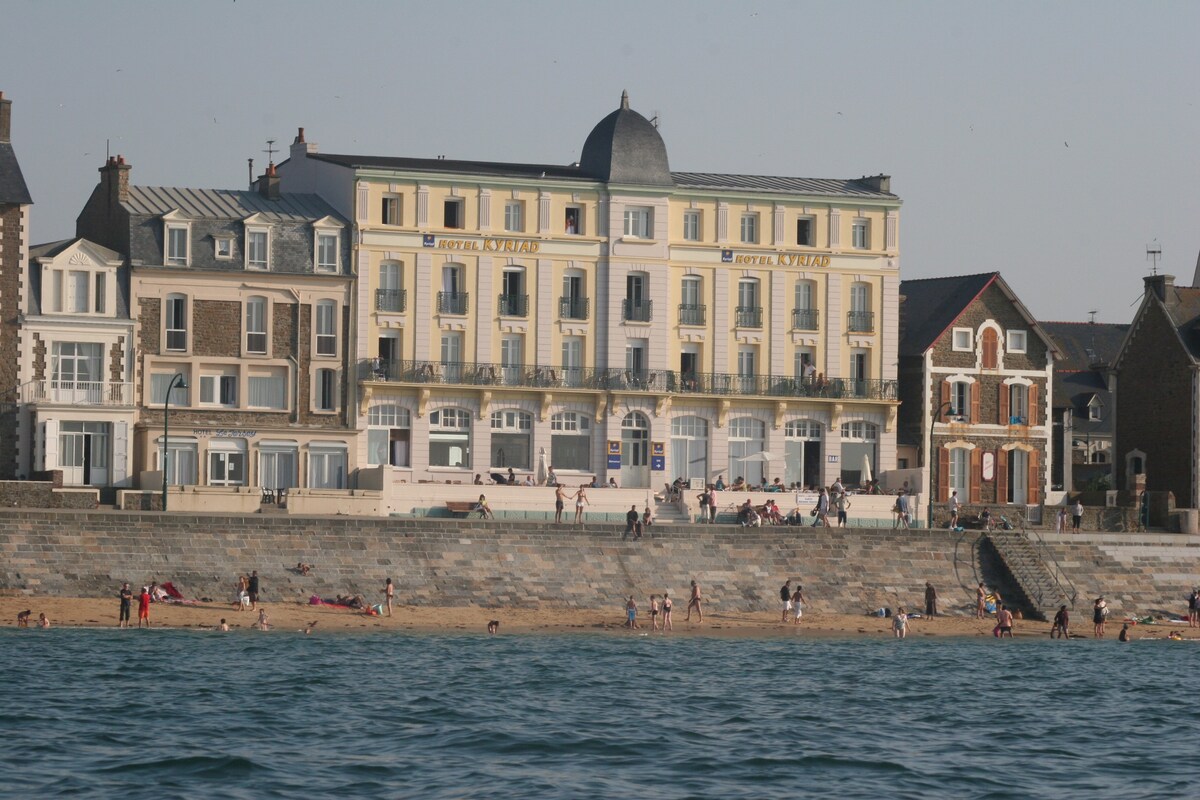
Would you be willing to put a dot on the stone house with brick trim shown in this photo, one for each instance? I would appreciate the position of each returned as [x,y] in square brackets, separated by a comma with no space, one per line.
[976,372]
[15,201]
[244,297]
[1157,376]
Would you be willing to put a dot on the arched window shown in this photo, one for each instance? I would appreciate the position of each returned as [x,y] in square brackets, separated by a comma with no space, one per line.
[389,435]
[989,344]
[802,453]
[747,437]
[748,313]
[389,294]
[804,312]
[689,448]
[635,440]
[450,438]
[571,441]
[512,443]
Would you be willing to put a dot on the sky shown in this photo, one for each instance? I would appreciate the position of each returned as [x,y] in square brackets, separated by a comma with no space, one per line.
[1052,142]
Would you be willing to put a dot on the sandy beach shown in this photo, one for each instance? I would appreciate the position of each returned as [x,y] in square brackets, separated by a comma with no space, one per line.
[292,617]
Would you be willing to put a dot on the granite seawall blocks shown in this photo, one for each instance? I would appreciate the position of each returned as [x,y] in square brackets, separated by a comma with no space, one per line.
[530,564]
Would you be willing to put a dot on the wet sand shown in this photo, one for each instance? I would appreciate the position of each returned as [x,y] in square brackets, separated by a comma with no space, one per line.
[102,612]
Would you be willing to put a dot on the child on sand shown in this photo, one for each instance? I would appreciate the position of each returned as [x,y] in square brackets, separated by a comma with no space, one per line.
[900,623]
[653,612]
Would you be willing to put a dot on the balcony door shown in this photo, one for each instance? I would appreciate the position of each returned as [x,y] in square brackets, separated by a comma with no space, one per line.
[83,453]
[76,373]
[635,451]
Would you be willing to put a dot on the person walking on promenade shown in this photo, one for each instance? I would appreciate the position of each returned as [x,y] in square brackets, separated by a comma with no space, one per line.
[1060,520]
[1076,516]
[900,623]
[126,604]
[653,612]
[905,515]
[253,589]
[712,504]
[843,504]
[785,598]
[954,509]
[1004,622]
[1062,621]
[694,602]
[798,603]
[704,498]
[559,498]
[580,501]
[389,591]
[931,599]
[631,613]
[822,509]
[666,612]
[144,606]
[980,601]
[1099,614]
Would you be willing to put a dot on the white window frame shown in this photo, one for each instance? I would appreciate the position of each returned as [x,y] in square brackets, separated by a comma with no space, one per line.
[638,222]
[514,216]
[749,227]
[390,202]
[183,326]
[323,460]
[265,332]
[579,210]
[216,386]
[170,227]
[251,232]
[962,340]
[860,233]
[223,248]
[326,231]
[227,451]
[462,213]
[325,323]
[257,374]
[812,230]
[691,225]
[1015,341]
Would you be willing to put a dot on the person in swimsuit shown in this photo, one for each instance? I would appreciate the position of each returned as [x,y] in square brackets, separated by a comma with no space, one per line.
[144,607]
[1004,621]
[580,501]
[559,497]
[798,603]
[694,602]
[1099,612]
[43,621]
[126,605]
[1123,636]
[224,626]
[900,623]
[485,511]
[980,601]
[243,594]
[389,591]
[1061,622]
[631,613]
[666,612]
[262,620]
[653,612]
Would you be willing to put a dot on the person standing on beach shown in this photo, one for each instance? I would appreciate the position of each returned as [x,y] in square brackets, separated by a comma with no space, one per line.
[243,593]
[1004,622]
[253,589]
[144,606]
[389,591]
[954,509]
[930,600]
[126,604]
[900,623]
[262,620]
[1194,608]
[559,497]
[1099,614]
[785,598]
[694,602]
[980,601]
[1061,622]
[798,603]
[666,613]
[631,613]
[653,612]
[580,501]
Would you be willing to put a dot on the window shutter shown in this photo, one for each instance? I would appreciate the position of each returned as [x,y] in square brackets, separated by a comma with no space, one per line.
[974,403]
[1001,476]
[943,484]
[976,476]
[1035,494]
[1033,405]
[1005,417]
[944,408]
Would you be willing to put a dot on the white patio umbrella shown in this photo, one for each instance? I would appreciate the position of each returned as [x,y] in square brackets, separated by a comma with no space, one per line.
[765,457]
[866,468]
[542,469]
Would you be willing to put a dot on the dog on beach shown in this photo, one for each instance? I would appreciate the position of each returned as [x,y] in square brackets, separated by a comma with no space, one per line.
[493,626]
[23,618]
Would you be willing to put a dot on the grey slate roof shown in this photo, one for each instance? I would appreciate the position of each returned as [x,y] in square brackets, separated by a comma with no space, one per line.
[932,304]
[1184,307]
[1082,345]
[499,169]
[225,204]
[765,183]
[12,182]
[625,147]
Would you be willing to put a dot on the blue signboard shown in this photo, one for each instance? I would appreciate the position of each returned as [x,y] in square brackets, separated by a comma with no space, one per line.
[658,463]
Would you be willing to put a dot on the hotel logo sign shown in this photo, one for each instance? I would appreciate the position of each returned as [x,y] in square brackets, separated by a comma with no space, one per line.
[775,259]
[486,245]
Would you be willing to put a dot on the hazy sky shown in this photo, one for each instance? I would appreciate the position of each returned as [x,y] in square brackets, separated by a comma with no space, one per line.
[1050,141]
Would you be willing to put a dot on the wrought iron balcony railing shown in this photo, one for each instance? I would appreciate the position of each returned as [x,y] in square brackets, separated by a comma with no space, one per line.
[860,321]
[805,319]
[394,300]
[691,314]
[637,310]
[513,305]
[748,316]
[453,302]
[573,307]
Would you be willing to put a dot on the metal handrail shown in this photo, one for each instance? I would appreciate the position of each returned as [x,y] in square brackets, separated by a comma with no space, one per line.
[805,319]
[748,316]
[393,300]
[570,307]
[637,310]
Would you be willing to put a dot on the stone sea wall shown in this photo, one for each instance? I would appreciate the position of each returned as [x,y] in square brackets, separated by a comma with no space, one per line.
[515,563]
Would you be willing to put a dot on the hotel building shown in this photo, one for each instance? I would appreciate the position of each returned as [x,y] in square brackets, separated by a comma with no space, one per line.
[613,319]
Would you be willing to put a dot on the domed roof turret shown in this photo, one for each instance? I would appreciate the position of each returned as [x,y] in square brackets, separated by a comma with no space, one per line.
[625,147]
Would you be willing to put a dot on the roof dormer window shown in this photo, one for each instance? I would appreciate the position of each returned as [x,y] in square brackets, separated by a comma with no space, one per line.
[258,243]
[327,241]
[177,245]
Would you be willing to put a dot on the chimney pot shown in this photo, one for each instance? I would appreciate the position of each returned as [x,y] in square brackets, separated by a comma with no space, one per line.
[299,134]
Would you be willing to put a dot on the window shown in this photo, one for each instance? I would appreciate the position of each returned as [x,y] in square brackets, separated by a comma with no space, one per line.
[389,435]
[514,302]
[326,327]
[861,319]
[227,462]
[257,247]
[860,234]
[747,363]
[802,462]
[450,438]
[747,437]
[689,447]
[100,298]
[963,340]
[159,381]
[268,389]
[326,390]
[277,466]
[960,401]
[637,222]
[511,359]
[573,222]
[804,364]
[960,465]
[805,228]
[327,252]
[511,439]
[1016,341]
[181,458]
[990,345]
[219,389]
[452,355]
[256,325]
[326,467]
[749,228]
[570,441]
[572,362]
[691,226]
[223,248]
[1018,404]
[77,373]
[858,449]
[452,299]
[860,370]
[390,213]
[177,245]
[637,304]
[804,313]
[78,294]
[177,322]
[574,302]
[513,216]
[637,360]
[1093,410]
[388,295]
[691,311]
[748,313]
[452,214]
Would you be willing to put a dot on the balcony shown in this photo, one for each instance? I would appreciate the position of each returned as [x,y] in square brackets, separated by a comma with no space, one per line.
[747,317]
[690,314]
[453,302]
[77,393]
[573,307]
[636,310]
[661,381]
[513,305]
[394,300]
[860,321]
[805,319]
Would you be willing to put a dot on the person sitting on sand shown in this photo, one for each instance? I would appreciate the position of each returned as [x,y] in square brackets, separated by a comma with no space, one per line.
[262,620]
[23,618]
[303,568]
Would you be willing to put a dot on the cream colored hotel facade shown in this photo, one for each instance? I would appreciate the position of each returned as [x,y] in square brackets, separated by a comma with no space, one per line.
[612,319]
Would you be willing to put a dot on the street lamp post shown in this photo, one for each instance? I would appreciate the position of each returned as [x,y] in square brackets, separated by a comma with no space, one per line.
[180,382]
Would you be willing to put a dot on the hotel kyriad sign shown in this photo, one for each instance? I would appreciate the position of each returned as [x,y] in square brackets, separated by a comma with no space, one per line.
[776,259]
[486,245]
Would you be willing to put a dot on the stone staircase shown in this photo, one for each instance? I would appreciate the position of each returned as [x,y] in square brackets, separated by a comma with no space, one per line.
[669,514]
[1030,572]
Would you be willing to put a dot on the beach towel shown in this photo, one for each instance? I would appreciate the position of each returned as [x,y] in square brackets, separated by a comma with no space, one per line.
[171,591]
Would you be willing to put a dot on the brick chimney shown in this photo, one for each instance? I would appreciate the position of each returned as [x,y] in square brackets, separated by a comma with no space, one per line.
[880,183]
[1161,285]
[268,183]
[300,147]
[114,177]
[5,119]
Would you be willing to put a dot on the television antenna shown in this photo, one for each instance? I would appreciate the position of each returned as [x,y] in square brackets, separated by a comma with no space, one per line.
[1153,254]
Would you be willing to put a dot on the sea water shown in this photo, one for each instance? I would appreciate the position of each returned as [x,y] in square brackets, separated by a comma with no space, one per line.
[190,714]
